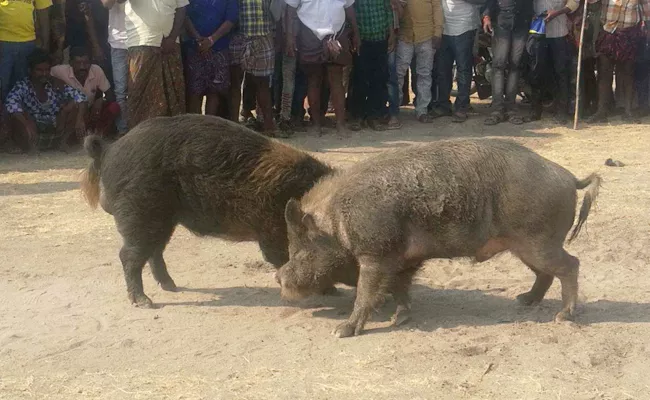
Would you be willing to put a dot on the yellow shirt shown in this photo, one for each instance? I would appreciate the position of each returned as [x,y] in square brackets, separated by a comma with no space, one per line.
[422,20]
[17,19]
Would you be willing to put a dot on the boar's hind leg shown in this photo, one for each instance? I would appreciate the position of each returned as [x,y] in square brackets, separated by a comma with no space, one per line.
[401,295]
[141,240]
[549,262]
[159,270]
[543,282]
[375,277]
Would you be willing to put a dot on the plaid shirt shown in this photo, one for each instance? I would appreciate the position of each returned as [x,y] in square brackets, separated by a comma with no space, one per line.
[374,17]
[255,18]
[22,98]
[621,14]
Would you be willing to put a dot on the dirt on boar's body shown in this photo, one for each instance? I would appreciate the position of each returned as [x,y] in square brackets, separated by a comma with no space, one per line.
[208,174]
[374,224]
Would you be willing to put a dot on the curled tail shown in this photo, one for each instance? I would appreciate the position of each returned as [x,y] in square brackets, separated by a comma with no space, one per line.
[592,182]
[90,176]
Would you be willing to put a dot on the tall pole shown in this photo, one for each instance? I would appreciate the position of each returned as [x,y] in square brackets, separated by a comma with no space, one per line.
[582,37]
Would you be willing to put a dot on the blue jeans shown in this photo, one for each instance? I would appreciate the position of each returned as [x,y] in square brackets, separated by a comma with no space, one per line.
[13,63]
[508,47]
[120,61]
[459,49]
[394,90]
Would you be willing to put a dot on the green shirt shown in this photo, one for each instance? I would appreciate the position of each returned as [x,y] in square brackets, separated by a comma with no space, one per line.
[374,18]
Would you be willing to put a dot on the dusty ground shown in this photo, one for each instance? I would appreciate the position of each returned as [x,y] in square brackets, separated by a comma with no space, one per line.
[67,330]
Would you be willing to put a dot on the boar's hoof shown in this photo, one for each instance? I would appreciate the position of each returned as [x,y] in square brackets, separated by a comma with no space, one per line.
[330,291]
[401,317]
[528,299]
[345,330]
[564,316]
[169,286]
[141,301]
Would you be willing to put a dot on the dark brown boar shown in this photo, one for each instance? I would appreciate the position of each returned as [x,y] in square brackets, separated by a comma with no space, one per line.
[374,224]
[208,174]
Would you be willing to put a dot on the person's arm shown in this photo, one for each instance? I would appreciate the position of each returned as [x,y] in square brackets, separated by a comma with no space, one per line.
[14,106]
[191,30]
[351,17]
[169,42]
[232,15]
[438,23]
[486,16]
[43,16]
[89,20]
[571,6]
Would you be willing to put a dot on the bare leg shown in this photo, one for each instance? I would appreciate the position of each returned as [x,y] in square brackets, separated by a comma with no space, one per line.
[65,124]
[605,78]
[236,77]
[337,94]
[212,104]
[374,278]
[194,104]
[625,70]
[264,101]
[314,84]
[24,137]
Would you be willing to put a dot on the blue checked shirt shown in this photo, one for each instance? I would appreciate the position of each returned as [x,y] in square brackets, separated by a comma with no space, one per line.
[22,98]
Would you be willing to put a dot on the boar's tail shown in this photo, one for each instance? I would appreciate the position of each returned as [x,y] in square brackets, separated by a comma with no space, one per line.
[95,147]
[592,182]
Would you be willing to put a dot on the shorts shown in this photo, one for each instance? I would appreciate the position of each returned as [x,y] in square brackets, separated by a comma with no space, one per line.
[256,55]
[207,73]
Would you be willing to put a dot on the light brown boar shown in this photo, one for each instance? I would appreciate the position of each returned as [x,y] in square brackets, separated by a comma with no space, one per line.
[374,224]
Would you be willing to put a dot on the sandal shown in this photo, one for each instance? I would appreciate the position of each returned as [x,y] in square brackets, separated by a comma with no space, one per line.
[517,119]
[459,117]
[354,126]
[495,118]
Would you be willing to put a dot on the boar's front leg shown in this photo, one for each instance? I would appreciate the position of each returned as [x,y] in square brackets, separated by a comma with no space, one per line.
[375,277]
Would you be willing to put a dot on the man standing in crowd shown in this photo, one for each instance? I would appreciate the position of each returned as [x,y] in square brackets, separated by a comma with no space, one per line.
[253,49]
[461,21]
[369,84]
[91,80]
[617,46]
[18,38]
[420,34]
[43,116]
[554,58]
[119,58]
[156,84]
[509,20]
[207,59]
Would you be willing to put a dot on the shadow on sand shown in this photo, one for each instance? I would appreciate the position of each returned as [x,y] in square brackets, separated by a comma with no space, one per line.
[432,308]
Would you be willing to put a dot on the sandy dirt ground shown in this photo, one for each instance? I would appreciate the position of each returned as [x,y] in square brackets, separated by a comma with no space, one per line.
[67,330]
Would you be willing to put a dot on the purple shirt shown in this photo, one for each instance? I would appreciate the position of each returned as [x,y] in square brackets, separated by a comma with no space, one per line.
[208,15]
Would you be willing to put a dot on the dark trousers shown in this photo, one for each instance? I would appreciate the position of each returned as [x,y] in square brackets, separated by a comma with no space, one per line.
[459,49]
[508,47]
[369,80]
[553,65]
[642,84]
[248,94]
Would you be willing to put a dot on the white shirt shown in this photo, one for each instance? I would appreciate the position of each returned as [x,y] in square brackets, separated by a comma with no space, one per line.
[148,21]
[460,17]
[117,26]
[323,17]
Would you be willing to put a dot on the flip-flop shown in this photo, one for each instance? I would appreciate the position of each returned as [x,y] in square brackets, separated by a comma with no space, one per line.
[494,119]
[394,125]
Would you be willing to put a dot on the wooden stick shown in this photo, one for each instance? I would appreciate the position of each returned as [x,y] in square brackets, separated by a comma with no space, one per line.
[582,38]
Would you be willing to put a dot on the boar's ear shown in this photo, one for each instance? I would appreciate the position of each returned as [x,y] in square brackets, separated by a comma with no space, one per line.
[309,223]
[293,214]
